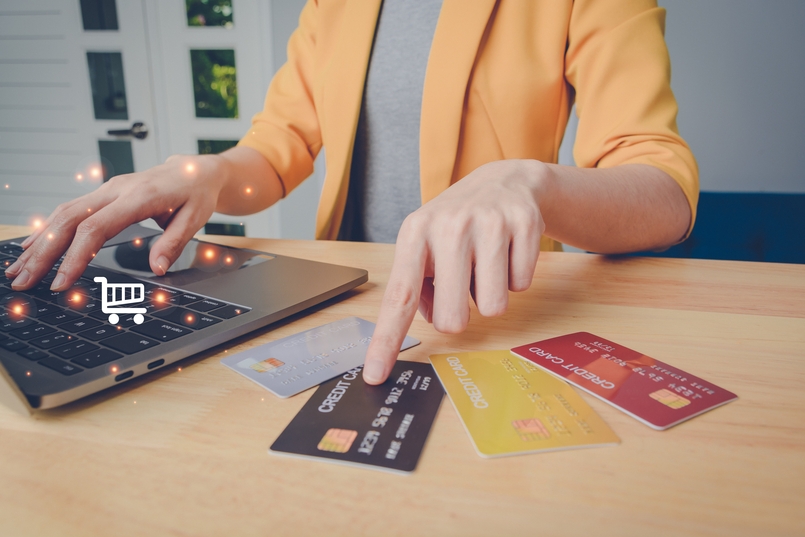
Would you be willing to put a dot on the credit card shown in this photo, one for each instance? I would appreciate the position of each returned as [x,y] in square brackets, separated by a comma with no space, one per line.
[295,363]
[383,427]
[647,389]
[511,407]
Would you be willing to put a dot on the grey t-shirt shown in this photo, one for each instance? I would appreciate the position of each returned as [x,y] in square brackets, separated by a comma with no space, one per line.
[384,180]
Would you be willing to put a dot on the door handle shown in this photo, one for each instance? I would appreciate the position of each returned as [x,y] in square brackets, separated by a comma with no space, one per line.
[137,130]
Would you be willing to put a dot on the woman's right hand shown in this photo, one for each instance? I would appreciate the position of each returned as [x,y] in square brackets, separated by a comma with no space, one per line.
[180,195]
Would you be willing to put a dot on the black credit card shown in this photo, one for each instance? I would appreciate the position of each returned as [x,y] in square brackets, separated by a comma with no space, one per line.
[381,426]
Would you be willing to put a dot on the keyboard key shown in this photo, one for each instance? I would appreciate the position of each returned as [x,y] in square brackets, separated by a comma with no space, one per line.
[79,303]
[43,292]
[99,333]
[206,304]
[127,320]
[160,330]
[82,323]
[96,358]
[62,367]
[76,348]
[184,298]
[11,249]
[227,312]
[33,354]
[12,345]
[3,337]
[60,317]
[187,318]
[32,331]
[5,290]
[129,343]
[12,322]
[50,276]
[160,295]
[15,299]
[42,308]
[52,340]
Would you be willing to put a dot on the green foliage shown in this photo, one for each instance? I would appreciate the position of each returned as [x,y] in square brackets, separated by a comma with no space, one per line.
[213,147]
[215,83]
[209,13]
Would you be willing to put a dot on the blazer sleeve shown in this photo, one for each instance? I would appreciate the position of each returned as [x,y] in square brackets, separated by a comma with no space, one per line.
[287,132]
[619,67]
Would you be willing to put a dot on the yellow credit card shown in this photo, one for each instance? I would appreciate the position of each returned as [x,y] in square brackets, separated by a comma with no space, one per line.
[509,406]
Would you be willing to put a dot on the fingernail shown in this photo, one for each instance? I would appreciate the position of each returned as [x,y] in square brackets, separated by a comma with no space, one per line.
[21,280]
[373,371]
[57,282]
[13,269]
[163,264]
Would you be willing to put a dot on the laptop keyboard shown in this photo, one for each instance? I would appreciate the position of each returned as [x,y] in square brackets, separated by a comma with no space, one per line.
[67,332]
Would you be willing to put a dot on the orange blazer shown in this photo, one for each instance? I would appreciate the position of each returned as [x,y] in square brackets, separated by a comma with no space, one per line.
[502,76]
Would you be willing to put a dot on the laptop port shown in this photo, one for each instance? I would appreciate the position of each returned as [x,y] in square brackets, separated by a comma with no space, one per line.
[156,363]
[124,376]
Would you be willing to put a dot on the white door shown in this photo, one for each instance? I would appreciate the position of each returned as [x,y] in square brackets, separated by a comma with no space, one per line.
[212,65]
[70,71]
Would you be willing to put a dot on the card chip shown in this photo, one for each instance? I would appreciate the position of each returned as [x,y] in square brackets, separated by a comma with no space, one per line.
[531,429]
[337,440]
[670,399]
[261,367]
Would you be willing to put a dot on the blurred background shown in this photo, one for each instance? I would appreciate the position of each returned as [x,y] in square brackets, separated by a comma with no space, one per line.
[94,88]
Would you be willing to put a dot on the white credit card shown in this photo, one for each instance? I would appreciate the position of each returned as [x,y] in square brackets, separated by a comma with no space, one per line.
[295,363]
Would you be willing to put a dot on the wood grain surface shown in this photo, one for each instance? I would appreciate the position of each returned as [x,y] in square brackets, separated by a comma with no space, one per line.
[184,452]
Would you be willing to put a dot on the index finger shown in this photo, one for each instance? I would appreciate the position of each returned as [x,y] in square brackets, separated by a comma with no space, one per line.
[400,303]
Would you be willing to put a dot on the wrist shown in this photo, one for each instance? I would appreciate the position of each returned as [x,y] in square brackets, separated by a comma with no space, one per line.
[213,171]
[540,179]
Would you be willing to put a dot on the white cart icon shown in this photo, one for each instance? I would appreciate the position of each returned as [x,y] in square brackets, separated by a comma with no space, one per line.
[121,294]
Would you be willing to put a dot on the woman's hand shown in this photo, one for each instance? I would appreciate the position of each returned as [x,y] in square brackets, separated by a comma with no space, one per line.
[180,195]
[480,237]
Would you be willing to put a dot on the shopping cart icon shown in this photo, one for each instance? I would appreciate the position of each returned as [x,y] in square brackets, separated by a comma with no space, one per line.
[121,294]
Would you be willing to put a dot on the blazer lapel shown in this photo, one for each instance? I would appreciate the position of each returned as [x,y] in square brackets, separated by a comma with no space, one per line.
[342,106]
[455,45]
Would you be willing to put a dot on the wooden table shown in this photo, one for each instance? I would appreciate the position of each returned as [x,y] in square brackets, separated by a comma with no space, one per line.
[184,452]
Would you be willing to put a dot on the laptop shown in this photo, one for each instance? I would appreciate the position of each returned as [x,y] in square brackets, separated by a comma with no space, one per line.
[120,321]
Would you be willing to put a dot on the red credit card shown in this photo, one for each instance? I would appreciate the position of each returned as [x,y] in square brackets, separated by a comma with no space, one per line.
[649,390]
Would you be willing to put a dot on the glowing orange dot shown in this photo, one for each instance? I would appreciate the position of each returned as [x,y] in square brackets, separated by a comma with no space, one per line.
[189,319]
[170,210]
[6,186]
[95,172]
[79,177]
[89,210]
[248,190]
[50,236]
[113,369]
[28,373]
[37,223]
[237,311]
[180,369]
[227,260]
[93,255]
[209,254]
[190,168]
[138,242]
[18,310]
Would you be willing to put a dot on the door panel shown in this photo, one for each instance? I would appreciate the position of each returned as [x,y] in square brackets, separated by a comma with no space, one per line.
[48,131]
